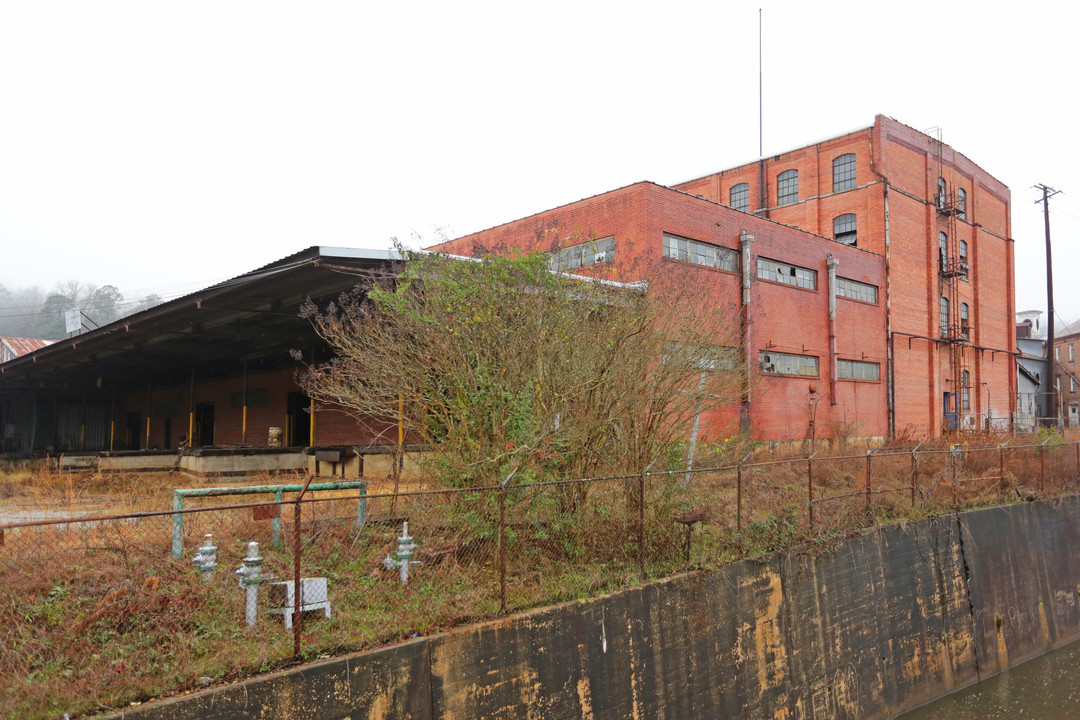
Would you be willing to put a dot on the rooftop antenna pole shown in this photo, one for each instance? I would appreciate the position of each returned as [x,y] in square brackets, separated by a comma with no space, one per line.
[1051,357]
[761,142]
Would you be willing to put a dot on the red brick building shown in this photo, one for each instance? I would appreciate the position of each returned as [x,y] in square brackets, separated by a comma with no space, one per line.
[868,280]
[923,337]
[784,324]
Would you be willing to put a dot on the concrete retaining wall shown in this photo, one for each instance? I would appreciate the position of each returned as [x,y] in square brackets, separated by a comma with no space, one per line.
[861,629]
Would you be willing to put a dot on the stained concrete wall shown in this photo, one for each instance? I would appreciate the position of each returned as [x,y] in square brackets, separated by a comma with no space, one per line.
[861,628]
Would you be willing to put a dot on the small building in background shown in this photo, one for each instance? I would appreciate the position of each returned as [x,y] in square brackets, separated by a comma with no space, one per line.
[1066,377]
[13,347]
[1032,398]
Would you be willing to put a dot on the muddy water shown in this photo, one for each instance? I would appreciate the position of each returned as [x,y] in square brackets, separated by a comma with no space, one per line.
[1046,688]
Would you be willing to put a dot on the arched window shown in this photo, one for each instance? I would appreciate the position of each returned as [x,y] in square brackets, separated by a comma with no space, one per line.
[787,187]
[963,259]
[844,229]
[944,317]
[965,324]
[961,204]
[941,193]
[965,390]
[739,197]
[843,172]
[943,249]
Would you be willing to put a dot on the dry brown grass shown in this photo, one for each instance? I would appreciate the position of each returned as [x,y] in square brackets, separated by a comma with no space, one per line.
[98,614]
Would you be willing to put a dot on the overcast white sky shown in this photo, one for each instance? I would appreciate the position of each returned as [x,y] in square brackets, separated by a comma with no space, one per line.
[161,147]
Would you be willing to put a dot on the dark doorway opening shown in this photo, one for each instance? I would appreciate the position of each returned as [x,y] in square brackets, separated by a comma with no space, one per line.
[298,432]
[134,427]
[168,433]
[204,425]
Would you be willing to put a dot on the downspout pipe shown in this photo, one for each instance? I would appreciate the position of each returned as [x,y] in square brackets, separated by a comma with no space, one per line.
[832,263]
[745,241]
[890,345]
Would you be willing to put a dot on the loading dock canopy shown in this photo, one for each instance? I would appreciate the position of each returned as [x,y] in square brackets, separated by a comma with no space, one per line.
[252,318]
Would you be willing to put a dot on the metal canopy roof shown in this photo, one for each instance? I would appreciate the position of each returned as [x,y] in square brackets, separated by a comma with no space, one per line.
[252,317]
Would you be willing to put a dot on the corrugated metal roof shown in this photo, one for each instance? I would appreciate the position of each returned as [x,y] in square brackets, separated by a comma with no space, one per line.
[254,316]
[21,346]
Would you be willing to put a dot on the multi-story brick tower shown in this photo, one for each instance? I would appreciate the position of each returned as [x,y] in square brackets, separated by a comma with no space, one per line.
[942,224]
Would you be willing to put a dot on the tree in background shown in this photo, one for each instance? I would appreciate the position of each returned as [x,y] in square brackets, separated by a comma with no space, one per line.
[100,306]
[500,364]
[29,312]
[19,311]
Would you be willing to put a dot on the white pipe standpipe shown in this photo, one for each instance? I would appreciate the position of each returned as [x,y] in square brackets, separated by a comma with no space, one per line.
[405,550]
[205,559]
[250,577]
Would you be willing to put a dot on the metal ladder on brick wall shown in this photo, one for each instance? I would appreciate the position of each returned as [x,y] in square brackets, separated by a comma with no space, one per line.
[952,269]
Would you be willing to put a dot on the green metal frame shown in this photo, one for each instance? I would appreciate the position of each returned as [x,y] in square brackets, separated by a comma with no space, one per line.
[278,492]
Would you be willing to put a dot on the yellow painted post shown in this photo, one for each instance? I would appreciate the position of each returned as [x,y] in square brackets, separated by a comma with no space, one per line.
[191,428]
[311,433]
[112,434]
[243,419]
[147,447]
[82,436]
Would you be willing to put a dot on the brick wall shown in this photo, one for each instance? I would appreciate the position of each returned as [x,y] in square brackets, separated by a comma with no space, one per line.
[782,318]
[171,405]
[897,167]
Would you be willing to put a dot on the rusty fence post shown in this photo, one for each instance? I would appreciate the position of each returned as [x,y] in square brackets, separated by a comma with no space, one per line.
[914,473]
[955,452]
[641,519]
[502,538]
[297,618]
[641,527]
[1077,446]
[1001,467]
[869,474]
[738,493]
[1042,466]
[502,549]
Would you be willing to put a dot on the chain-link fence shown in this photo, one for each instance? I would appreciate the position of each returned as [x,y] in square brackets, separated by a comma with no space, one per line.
[99,610]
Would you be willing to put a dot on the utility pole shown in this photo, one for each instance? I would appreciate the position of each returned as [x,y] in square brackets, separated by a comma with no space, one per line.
[1047,193]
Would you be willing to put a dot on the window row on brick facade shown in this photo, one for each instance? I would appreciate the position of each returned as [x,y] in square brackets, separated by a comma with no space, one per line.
[788,364]
[739,197]
[855,290]
[781,363]
[943,199]
[787,185]
[965,319]
[696,252]
[943,255]
[699,253]
[591,252]
[858,370]
[845,229]
[787,274]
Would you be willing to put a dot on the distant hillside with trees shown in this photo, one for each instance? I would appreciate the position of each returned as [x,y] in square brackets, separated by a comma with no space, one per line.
[35,313]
